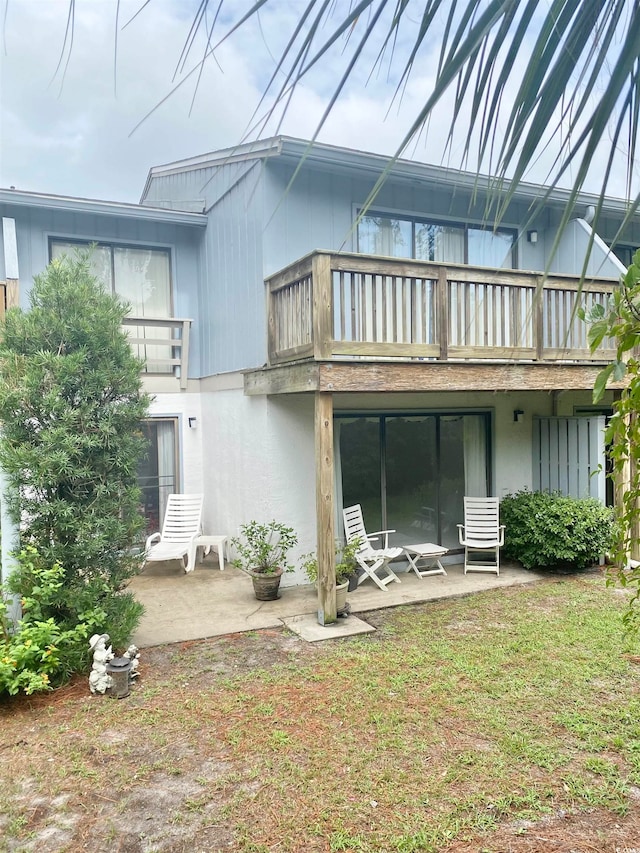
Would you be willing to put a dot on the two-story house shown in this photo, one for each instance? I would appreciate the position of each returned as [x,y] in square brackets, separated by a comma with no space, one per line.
[310,347]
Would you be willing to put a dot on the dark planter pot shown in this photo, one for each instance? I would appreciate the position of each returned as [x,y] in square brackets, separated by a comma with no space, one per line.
[353,582]
[266,585]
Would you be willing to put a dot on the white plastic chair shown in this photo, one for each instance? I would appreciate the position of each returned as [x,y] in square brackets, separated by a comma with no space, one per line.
[180,530]
[371,560]
[481,534]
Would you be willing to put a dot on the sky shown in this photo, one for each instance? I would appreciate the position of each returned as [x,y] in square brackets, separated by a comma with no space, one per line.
[75,120]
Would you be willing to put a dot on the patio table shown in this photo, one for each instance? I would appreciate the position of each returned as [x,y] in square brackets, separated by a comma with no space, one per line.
[209,542]
[429,554]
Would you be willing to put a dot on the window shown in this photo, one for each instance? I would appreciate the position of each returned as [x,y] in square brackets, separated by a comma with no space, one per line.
[158,470]
[142,277]
[411,472]
[425,240]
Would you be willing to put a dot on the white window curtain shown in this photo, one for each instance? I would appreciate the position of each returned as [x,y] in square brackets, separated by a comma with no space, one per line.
[166,464]
[475,456]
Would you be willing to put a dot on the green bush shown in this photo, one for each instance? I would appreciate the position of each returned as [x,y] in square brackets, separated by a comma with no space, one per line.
[549,530]
[41,652]
[71,405]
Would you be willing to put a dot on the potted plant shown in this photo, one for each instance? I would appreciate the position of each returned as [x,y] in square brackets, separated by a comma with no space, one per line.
[346,569]
[262,550]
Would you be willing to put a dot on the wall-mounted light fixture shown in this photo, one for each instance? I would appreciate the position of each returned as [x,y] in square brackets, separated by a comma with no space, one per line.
[193,423]
[532,236]
[518,416]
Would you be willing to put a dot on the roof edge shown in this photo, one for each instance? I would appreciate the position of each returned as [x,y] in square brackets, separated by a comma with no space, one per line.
[25,198]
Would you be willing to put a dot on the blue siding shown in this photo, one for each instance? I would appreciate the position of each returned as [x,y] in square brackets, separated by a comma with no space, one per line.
[34,227]
[317,211]
[232,297]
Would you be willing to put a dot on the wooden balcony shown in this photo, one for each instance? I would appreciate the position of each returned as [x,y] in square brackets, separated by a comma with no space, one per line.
[164,345]
[348,309]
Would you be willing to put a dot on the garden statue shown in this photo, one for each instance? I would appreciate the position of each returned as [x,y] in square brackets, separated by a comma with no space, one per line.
[134,656]
[99,679]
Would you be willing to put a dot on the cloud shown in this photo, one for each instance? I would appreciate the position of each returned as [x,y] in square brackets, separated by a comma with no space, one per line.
[71,132]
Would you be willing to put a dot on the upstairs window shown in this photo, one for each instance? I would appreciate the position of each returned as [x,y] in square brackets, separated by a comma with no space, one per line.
[141,276]
[429,240]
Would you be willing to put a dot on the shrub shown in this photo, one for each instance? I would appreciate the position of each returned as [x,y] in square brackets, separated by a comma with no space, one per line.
[71,403]
[41,652]
[553,531]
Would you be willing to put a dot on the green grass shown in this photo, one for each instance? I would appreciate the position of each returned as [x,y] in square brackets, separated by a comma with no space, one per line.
[449,723]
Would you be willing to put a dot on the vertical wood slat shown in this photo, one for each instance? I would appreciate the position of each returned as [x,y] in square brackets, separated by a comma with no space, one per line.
[325,508]
[442,313]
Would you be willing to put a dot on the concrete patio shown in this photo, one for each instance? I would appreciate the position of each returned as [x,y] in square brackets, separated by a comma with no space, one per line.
[209,603]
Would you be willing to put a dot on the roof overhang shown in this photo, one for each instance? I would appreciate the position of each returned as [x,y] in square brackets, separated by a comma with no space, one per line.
[322,156]
[21,198]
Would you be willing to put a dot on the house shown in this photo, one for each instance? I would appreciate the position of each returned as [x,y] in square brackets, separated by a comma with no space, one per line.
[309,347]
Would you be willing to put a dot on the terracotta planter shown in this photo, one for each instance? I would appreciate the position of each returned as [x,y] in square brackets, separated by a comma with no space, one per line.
[266,585]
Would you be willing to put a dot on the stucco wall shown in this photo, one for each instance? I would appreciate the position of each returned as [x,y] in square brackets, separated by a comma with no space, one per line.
[258,462]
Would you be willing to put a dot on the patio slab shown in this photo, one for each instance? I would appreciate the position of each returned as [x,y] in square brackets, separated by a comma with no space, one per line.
[211,603]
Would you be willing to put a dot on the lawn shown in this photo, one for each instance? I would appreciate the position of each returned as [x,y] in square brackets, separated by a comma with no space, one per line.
[505,721]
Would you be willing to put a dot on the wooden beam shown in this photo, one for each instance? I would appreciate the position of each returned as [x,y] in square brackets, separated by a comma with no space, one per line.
[325,508]
[380,377]
[287,379]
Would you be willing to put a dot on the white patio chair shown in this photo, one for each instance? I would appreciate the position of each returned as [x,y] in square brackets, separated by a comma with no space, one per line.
[481,534]
[180,530]
[371,560]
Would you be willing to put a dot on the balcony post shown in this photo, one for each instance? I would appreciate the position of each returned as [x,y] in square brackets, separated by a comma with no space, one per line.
[442,313]
[325,508]
[322,300]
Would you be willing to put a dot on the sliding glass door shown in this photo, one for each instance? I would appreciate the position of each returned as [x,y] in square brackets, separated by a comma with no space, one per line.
[411,472]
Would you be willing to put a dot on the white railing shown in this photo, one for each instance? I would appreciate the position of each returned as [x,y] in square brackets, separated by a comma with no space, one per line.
[163,344]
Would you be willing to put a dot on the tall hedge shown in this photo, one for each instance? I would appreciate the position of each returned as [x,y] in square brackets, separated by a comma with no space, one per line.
[71,405]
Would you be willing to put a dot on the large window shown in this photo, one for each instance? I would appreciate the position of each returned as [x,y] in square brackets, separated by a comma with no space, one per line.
[411,472]
[142,277]
[396,237]
[158,471]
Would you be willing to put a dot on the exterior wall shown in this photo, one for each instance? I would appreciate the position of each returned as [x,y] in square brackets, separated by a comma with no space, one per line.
[232,297]
[573,248]
[34,227]
[258,462]
[318,209]
[194,189]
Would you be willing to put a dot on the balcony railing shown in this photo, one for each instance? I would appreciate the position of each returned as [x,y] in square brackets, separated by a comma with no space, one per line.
[340,306]
[163,344]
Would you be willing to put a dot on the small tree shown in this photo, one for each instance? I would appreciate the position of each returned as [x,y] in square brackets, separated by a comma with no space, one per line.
[71,404]
[620,320]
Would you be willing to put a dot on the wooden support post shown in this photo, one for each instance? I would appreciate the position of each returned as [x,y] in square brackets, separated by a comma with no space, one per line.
[325,508]
[322,301]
